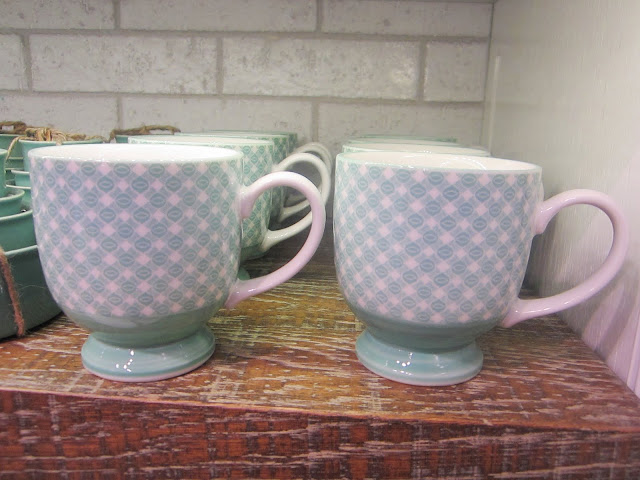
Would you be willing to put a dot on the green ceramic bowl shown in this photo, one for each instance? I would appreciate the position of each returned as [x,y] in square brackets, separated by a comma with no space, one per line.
[16,153]
[3,172]
[26,200]
[11,203]
[21,178]
[36,302]
[16,231]
[28,145]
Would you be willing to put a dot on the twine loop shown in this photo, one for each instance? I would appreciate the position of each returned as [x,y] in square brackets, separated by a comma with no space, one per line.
[48,134]
[7,276]
[12,127]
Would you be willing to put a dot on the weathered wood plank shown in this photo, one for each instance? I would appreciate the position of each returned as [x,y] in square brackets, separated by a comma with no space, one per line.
[284,396]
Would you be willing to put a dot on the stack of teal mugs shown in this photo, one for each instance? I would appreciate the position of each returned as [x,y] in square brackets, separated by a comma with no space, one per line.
[25,300]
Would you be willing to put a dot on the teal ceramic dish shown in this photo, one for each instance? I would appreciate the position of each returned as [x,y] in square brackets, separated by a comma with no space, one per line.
[11,202]
[36,303]
[17,231]
[3,172]
[15,156]
[26,200]
[27,145]
[21,178]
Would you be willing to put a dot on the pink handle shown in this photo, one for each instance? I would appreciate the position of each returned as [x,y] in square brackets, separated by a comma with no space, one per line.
[526,309]
[325,181]
[244,289]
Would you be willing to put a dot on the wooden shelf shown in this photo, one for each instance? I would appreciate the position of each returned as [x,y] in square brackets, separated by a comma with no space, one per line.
[284,396]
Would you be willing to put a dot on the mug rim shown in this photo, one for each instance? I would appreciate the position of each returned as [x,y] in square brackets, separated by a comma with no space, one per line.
[417,148]
[407,140]
[438,162]
[112,153]
[240,133]
[203,140]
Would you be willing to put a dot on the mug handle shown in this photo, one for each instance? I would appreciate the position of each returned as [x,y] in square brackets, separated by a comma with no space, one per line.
[526,309]
[243,289]
[324,187]
[319,150]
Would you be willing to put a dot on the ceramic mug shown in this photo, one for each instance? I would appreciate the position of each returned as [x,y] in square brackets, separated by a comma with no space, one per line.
[258,161]
[413,147]
[285,203]
[431,251]
[141,244]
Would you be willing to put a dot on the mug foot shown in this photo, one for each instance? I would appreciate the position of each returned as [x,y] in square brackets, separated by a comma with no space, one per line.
[416,367]
[147,364]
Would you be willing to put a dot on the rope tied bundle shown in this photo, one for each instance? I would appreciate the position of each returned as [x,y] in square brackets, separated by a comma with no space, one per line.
[7,276]
[13,127]
[143,130]
[47,134]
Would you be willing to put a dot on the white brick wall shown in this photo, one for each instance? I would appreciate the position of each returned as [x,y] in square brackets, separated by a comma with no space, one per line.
[13,75]
[328,69]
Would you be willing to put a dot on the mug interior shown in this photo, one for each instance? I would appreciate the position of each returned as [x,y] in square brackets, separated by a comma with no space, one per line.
[437,161]
[129,153]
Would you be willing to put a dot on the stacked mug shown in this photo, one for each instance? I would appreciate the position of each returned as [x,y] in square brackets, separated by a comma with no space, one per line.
[432,239]
[261,156]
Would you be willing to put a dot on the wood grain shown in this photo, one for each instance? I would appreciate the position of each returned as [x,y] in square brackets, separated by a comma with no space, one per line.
[284,397]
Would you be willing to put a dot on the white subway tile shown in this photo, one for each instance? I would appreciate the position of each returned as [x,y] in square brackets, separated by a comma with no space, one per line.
[58,14]
[338,122]
[92,115]
[13,68]
[309,67]
[381,17]
[455,71]
[149,64]
[219,15]
[200,114]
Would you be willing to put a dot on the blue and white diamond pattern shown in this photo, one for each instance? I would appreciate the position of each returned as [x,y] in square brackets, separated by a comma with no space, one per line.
[257,162]
[432,247]
[137,240]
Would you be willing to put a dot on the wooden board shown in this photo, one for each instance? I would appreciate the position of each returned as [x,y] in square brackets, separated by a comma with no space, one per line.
[284,396]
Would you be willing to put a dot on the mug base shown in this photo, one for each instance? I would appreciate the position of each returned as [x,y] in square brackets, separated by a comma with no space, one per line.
[415,367]
[148,364]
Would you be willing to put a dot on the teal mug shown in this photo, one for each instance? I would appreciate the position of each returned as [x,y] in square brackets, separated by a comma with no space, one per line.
[431,251]
[141,244]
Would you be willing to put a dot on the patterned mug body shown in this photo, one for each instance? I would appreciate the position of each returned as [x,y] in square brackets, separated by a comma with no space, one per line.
[282,142]
[287,202]
[259,159]
[431,251]
[141,245]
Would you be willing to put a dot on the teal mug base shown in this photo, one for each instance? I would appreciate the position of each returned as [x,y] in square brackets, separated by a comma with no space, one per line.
[414,367]
[148,364]
[243,274]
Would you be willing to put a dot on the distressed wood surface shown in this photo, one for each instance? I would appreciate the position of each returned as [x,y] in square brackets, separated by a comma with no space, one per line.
[284,396]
